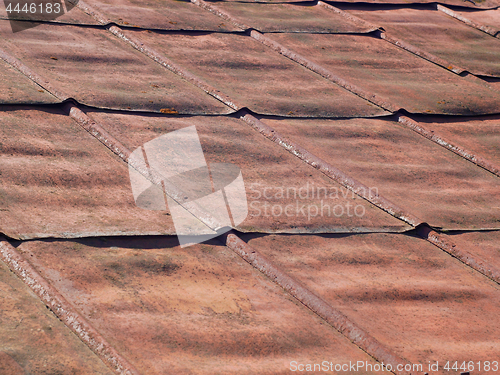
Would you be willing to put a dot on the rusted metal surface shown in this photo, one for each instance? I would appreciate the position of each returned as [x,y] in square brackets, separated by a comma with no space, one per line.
[95,68]
[16,88]
[289,17]
[419,176]
[485,245]
[57,180]
[487,21]
[162,15]
[480,136]
[34,340]
[235,63]
[475,4]
[437,33]
[173,310]
[463,252]
[417,300]
[289,197]
[407,81]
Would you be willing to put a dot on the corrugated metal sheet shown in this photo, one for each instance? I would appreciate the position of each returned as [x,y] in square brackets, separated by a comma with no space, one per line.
[93,67]
[478,4]
[195,310]
[58,181]
[33,340]
[485,244]
[15,88]
[289,17]
[441,35]
[439,187]
[164,15]
[257,77]
[399,76]
[290,196]
[421,303]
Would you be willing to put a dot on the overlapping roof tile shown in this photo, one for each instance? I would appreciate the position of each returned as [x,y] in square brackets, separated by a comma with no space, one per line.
[93,67]
[437,186]
[186,310]
[416,300]
[348,126]
[441,35]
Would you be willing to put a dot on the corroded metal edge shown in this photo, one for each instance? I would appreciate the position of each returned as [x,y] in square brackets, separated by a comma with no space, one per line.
[431,135]
[488,30]
[330,171]
[321,308]
[444,243]
[64,310]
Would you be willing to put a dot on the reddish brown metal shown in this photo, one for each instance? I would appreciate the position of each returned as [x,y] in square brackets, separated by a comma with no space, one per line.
[485,4]
[445,40]
[64,311]
[413,298]
[16,89]
[420,177]
[331,315]
[468,20]
[122,79]
[188,310]
[473,260]
[437,138]
[332,172]
[163,15]
[287,17]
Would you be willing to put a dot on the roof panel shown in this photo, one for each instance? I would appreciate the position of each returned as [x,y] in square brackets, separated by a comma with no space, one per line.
[15,88]
[283,193]
[161,14]
[58,181]
[484,245]
[418,175]
[411,296]
[95,68]
[441,35]
[173,310]
[257,77]
[489,18]
[268,17]
[482,4]
[34,340]
[479,135]
[405,79]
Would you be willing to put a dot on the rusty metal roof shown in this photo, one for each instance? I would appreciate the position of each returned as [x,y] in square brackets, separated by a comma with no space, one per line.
[365,136]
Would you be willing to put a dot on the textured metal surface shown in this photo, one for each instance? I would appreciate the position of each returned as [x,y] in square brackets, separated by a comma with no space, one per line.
[257,77]
[485,245]
[173,310]
[33,340]
[479,135]
[95,68]
[57,180]
[423,178]
[417,300]
[268,17]
[402,78]
[164,15]
[15,88]
[441,35]
[485,20]
[477,4]
[315,203]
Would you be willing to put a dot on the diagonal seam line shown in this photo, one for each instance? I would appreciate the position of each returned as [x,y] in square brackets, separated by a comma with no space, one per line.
[486,29]
[64,310]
